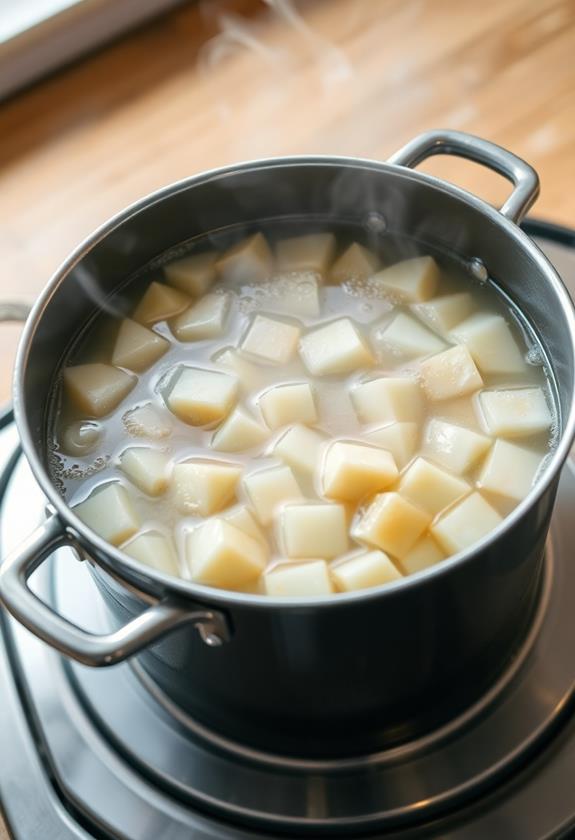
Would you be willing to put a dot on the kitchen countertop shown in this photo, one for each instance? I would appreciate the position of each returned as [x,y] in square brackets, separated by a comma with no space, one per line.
[216,82]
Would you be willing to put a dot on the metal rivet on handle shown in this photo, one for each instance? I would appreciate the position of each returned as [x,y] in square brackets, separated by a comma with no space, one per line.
[478,269]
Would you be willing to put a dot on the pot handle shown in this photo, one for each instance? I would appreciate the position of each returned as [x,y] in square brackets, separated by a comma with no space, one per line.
[444,142]
[78,644]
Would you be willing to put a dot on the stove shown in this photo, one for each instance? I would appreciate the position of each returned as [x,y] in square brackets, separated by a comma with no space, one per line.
[88,753]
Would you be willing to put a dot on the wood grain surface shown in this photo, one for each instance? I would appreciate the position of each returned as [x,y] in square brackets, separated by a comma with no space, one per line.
[218,82]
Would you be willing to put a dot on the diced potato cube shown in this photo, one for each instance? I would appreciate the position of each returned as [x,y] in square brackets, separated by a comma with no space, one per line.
[398,438]
[202,397]
[388,398]
[356,263]
[240,431]
[407,337]
[364,570]
[293,580]
[218,554]
[147,421]
[425,553]
[159,303]
[204,319]
[336,348]
[146,468]
[314,529]
[97,389]
[509,470]
[392,524]
[430,488]
[445,312]
[454,447]
[296,293]
[137,347]
[462,411]
[410,281]
[465,524]
[240,517]
[491,343]
[518,412]
[352,471]
[249,375]
[271,340]
[450,374]
[300,447]
[250,261]
[155,550]
[204,487]
[192,275]
[109,512]
[268,489]
[290,403]
[311,252]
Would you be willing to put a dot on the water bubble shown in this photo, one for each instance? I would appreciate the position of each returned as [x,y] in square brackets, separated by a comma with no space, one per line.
[375,222]
[534,356]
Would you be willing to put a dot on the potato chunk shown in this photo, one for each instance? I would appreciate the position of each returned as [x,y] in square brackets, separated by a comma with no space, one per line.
[407,337]
[204,487]
[218,554]
[352,471]
[311,252]
[192,275]
[155,550]
[300,447]
[268,489]
[388,398]
[308,530]
[465,524]
[392,524]
[238,432]
[97,389]
[454,447]
[364,570]
[159,303]
[204,319]
[445,312]
[519,412]
[146,468]
[250,261]
[202,397]
[285,404]
[509,471]
[399,438]
[335,348]
[241,517]
[450,374]
[430,488]
[425,553]
[250,376]
[491,343]
[356,263]
[410,281]
[270,340]
[109,512]
[137,347]
[298,580]
[147,421]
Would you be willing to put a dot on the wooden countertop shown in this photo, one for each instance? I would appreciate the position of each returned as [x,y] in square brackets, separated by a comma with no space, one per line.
[218,82]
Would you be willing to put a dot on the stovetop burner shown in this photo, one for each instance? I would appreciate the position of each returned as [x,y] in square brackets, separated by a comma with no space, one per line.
[101,753]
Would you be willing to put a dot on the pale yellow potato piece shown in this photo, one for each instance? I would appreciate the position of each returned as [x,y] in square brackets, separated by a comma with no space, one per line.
[241,517]
[81,437]
[388,399]
[462,411]
[454,447]
[430,488]
[335,348]
[249,375]
[407,337]
[147,468]
[97,389]
[465,524]
[296,293]
[289,403]
[509,470]
[310,252]
[155,550]
[399,438]
[392,524]
[364,570]
[202,397]
[298,580]
[238,432]
[351,471]
[425,553]
[271,340]
[491,344]
[300,447]
[445,312]
[356,263]
[204,487]
[192,275]
[147,421]
[268,489]
[411,281]
[159,303]
[308,530]
[218,554]
[250,261]
[137,347]
[204,319]
[109,511]
[518,412]
[450,374]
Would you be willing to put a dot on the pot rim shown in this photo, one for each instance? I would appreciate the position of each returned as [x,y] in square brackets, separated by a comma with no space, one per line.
[151,581]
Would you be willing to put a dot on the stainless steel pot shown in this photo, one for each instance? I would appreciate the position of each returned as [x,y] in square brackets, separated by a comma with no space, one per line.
[309,677]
